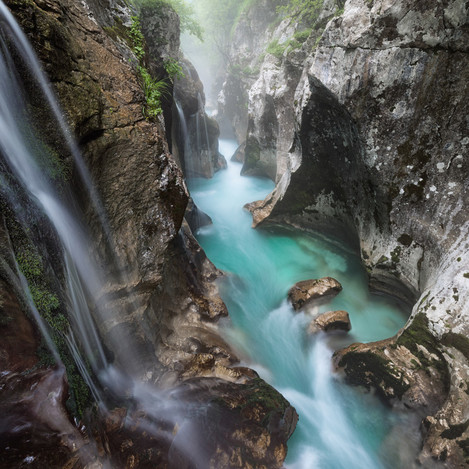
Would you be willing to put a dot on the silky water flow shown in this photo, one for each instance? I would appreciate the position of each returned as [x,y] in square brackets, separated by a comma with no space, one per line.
[24,162]
[339,426]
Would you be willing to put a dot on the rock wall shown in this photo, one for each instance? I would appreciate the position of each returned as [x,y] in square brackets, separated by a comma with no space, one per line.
[165,299]
[195,134]
[378,155]
[266,63]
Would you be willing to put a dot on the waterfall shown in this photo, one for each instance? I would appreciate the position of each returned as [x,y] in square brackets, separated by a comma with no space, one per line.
[195,142]
[161,416]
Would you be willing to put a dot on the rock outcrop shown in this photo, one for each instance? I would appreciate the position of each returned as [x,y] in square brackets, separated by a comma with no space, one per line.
[331,321]
[378,156]
[307,291]
[164,299]
[267,59]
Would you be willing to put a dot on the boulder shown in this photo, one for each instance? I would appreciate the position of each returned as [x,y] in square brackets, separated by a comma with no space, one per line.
[308,290]
[331,321]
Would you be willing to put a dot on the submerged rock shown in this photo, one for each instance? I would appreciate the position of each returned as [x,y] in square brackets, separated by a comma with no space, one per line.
[331,321]
[306,291]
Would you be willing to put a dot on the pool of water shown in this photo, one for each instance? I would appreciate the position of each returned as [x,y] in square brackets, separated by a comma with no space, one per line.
[339,426]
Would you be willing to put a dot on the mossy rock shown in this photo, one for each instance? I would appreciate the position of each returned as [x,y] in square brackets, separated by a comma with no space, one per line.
[417,334]
[370,369]
[458,341]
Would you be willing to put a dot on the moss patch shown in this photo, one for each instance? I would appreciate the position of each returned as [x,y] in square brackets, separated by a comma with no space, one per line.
[458,341]
[370,369]
[418,334]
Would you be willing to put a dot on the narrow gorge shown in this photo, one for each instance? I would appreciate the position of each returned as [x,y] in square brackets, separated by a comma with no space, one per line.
[234,234]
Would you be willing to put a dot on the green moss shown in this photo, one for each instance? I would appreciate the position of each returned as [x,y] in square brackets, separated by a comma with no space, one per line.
[395,254]
[418,334]
[382,260]
[372,370]
[302,35]
[466,275]
[276,49]
[455,431]
[118,30]
[458,341]
[49,307]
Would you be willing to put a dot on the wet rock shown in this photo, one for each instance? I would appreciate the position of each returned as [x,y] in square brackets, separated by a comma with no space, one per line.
[331,321]
[195,134]
[167,302]
[250,423]
[239,154]
[195,217]
[365,162]
[306,291]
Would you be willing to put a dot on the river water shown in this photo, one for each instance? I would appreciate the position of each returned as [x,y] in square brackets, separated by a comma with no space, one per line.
[339,426]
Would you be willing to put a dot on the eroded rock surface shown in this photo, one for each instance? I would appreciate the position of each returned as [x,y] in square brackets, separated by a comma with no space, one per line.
[379,158]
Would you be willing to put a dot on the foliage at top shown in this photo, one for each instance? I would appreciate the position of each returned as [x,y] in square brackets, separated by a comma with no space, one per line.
[305,11]
[153,89]
[184,10]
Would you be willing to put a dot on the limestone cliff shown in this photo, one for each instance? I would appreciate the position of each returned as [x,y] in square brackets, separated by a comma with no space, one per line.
[164,297]
[377,154]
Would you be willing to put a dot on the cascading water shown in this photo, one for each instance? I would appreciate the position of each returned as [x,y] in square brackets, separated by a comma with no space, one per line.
[338,426]
[194,141]
[22,153]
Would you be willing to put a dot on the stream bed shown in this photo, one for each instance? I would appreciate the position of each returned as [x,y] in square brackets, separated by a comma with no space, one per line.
[339,426]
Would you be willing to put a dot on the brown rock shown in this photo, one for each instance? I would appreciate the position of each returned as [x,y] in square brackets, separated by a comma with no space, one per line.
[331,321]
[307,290]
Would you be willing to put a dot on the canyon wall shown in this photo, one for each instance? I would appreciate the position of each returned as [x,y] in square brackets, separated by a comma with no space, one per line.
[374,151]
[159,289]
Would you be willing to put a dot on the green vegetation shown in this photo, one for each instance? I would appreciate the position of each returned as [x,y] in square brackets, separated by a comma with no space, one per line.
[48,305]
[173,69]
[276,49]
[293,43]
[154,89]
[304,11]
[184,10]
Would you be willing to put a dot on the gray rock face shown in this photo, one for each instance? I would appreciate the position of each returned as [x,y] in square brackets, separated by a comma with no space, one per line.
[269,58]
[249,42]
[306,291]
[395,181]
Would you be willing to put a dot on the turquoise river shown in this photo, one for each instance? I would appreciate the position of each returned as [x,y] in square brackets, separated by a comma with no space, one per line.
[339,426]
